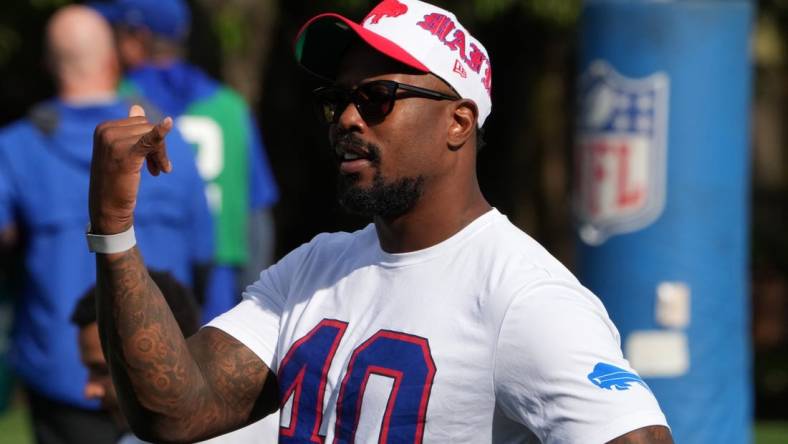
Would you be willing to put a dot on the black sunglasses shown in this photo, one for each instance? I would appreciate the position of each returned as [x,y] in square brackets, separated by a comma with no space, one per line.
[374,100]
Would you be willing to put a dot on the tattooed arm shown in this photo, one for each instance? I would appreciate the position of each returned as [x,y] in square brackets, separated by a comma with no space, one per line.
[646,435]
[170,389]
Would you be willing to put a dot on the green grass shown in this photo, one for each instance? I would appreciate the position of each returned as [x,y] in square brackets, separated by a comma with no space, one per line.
[14,426]
[771,432]
[15,429]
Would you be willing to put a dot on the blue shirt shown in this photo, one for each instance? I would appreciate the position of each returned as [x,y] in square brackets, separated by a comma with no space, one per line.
[44,179]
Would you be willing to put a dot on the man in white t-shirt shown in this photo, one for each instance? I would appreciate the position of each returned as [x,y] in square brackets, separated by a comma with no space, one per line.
[439,322]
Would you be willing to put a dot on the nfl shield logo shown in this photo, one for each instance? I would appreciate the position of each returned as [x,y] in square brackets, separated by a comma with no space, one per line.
[621,152]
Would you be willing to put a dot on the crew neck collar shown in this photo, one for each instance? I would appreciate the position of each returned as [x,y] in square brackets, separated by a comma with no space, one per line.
[414,257]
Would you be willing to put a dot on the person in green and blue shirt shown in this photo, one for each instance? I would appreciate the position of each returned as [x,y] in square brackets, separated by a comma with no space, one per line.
[45,163]
[231,158]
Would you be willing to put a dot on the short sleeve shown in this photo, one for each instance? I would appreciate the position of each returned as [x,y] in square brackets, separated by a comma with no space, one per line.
[560,372]
[255,320]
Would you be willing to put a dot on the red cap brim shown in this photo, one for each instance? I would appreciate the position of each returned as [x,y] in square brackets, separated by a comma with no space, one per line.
[323,40]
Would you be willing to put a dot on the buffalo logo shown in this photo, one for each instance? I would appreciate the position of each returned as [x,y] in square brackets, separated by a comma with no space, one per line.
[387,8]
[607,376]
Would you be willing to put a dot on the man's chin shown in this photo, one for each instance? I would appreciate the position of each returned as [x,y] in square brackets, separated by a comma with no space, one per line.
[353,193]
[356,200]
[379,198]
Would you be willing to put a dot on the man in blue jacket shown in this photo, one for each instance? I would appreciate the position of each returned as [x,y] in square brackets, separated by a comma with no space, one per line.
[218,123]
[44,171]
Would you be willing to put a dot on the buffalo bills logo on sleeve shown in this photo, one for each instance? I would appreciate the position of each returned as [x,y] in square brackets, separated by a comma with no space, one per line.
[607,376]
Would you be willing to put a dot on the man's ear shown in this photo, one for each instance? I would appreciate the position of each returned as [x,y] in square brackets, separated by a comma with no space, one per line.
[463,123]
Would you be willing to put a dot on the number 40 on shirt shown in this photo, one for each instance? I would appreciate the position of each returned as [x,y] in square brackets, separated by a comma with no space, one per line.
[303,372]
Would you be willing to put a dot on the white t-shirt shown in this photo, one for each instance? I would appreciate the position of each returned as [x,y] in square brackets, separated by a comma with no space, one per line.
[484,337]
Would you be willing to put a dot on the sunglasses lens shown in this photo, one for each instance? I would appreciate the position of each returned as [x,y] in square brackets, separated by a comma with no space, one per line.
[329,102]
[327,112]
[375,100]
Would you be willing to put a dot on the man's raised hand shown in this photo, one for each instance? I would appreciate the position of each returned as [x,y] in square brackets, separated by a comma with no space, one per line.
[120,147]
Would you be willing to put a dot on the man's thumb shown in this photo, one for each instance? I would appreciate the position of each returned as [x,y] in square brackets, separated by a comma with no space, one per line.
[136,111]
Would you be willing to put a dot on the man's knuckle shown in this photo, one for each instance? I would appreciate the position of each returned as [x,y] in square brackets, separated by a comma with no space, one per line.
[145,141]
[107,137]
[155,136]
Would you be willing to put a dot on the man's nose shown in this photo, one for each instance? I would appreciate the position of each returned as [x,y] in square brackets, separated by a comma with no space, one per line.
[349,118]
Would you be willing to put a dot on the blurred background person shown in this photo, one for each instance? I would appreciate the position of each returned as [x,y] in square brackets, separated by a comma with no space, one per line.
[99,384]
[44,170]
[230,155]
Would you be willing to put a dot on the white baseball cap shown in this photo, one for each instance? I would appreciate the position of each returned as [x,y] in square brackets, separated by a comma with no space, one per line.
[417,34]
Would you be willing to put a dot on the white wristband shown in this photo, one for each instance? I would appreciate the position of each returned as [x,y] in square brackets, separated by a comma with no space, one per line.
[111,243]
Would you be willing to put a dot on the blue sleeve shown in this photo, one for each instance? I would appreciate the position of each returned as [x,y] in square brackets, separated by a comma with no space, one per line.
[263,192]
[7,188]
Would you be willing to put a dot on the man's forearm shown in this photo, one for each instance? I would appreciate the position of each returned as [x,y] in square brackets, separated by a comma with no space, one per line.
[169,390]
[154,373]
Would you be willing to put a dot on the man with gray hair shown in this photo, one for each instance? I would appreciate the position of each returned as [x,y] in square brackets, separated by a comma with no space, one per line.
[45,162]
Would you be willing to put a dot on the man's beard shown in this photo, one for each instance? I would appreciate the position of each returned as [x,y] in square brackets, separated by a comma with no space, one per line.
[384,199]
[387,200]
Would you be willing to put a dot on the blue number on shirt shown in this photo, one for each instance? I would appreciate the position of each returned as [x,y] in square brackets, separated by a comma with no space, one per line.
[302,375]
[407,360]
[404,358]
